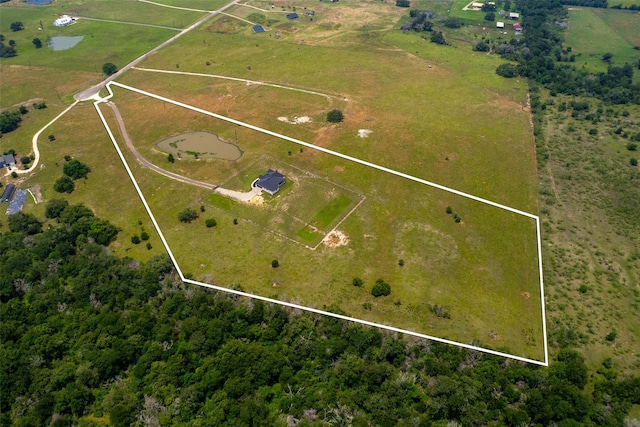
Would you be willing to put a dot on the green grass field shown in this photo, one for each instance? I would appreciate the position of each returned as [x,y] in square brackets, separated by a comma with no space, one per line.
[435,112]
[594,32]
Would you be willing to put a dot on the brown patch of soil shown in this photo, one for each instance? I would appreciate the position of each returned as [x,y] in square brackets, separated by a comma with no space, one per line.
[526,295]
[336,238]
[37,193]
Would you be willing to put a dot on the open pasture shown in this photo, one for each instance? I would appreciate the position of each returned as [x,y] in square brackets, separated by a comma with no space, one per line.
[434,123]
[126,42]
[594,32]
[489,259]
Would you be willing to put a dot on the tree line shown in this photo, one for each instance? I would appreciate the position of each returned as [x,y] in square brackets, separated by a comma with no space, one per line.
[88,337]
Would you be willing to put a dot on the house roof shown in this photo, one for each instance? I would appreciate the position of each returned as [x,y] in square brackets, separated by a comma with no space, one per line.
[292,15]
[7,159]
[517,26]
[500,24]
[514,15]
[271,181]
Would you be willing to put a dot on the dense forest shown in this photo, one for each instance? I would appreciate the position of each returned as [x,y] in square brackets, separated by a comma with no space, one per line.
[89,339]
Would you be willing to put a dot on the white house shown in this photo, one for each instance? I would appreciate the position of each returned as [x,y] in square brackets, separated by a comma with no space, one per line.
[499,24]
[63,21]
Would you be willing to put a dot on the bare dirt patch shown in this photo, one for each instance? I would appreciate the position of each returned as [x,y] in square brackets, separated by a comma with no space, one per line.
[36,190]
[364,133]
[336,238]
[296,120]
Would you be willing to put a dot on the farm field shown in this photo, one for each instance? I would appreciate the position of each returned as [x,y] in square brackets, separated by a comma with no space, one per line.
[594,32]
[438,113]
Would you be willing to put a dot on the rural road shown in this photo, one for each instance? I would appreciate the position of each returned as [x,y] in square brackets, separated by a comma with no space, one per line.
[93,92]
[145,162]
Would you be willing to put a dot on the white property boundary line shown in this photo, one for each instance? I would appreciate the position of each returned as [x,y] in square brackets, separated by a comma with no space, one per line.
[349,158]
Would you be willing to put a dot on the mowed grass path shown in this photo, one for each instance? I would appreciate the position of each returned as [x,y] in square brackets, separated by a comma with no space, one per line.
[594,32]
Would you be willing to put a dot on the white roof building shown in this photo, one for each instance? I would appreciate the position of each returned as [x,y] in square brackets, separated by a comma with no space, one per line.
[63,21]
[499,24]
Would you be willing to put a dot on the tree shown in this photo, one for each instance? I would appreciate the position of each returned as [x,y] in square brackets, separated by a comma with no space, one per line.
[381,288]
[55,207]
[357,282]
[403,3]
[275,263]
[7,51]
[438,38]
[135,239]
[633,161]
[490,17]
[188,215]
[37,43]
[210,222]
[64,184]
[452,23]
[25,160]
[335,116]
[24,222]
[170,158]
[481,46]
[52,138]
[144,235]
[109,68]
[607,57]
[16,26]
[75,169]
[507,70]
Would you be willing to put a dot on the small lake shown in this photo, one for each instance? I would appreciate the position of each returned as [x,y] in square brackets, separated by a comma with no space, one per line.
[200,145]
[39,2]
[64,42]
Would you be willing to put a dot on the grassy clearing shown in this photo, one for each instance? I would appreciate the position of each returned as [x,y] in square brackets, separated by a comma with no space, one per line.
[126,42]
[589,202]
[593,33]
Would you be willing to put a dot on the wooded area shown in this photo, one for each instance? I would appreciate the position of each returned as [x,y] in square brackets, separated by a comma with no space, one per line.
[89,339]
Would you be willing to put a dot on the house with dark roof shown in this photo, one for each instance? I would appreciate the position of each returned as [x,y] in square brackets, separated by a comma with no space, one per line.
[8,193]
[7,160]
[292,15]
[270,182]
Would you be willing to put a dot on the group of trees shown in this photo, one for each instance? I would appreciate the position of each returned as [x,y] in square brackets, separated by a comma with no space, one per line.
[87,335]
[73,170]
[540,57]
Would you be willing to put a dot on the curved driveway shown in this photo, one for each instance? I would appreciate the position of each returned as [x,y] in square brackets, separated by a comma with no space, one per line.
[148,164]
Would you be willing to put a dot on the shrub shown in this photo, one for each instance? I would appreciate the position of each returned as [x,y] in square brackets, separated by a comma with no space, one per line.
[633,161]
[507,70]
[144,235]
[25,160]
[381,288]
[210,222]
[481,46]
[357,281]
[401,262]
[632,146]
[275,263]
[441,311]
[135,239]
[52,138]
[187,215]
[149,246]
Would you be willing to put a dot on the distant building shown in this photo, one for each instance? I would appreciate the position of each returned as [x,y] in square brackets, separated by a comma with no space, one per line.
[270,182]
[514,15]
[7,194]
[499,24]
[517,28]
[7,160]
[63,21]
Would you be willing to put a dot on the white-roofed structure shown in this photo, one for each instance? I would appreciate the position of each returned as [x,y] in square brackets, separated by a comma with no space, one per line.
[63,21]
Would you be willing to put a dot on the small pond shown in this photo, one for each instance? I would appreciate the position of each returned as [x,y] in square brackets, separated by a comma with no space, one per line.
[64,42]
[200,145]
[39,2]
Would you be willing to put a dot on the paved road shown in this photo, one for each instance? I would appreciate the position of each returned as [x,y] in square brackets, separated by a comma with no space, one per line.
[145,162]
[93,92]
